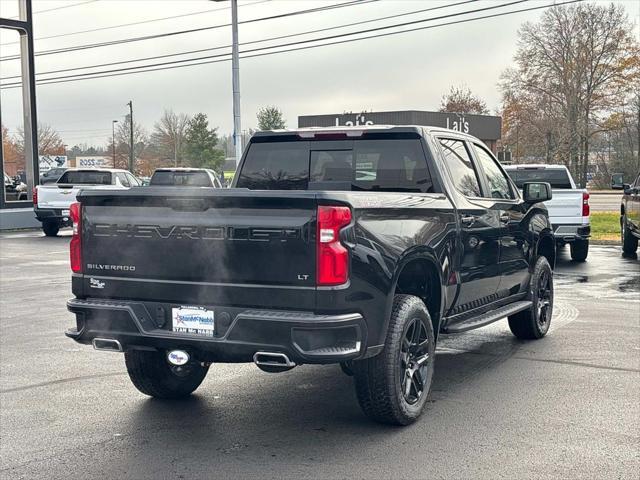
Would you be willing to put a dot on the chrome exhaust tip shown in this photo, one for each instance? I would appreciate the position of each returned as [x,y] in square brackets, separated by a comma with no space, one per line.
[106,344]
[273,362]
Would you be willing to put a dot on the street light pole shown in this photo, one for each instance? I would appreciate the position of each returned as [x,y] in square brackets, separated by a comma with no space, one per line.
[113,140]
[131,135]
[235,68]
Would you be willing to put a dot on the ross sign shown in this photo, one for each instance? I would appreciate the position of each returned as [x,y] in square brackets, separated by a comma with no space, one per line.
[94,162]
[485,127]
[47,162]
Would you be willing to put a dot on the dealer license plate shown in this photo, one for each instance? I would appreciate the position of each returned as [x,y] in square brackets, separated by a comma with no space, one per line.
[188,319]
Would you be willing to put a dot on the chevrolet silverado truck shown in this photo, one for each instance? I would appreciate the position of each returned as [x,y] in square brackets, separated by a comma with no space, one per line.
[51,202]
[355,246]
[569,208]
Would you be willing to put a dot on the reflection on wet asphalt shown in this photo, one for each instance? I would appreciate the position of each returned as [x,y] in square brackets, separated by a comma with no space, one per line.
[601,276]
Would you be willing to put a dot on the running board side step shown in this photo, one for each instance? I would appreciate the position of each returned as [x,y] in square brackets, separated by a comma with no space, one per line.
[489,317]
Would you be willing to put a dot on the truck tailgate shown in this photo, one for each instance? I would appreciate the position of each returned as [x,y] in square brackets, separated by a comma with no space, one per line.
[56,196]
[565,207]
[200,237]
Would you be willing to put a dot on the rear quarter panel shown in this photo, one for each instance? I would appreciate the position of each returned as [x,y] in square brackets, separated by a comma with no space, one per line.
[388,231]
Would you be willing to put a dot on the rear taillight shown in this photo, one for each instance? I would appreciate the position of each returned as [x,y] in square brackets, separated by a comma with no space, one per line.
[585,204]
[35,196]
[333,257]
[75,247]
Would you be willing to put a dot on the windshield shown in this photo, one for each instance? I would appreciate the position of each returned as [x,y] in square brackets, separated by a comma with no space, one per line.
[86,177]
[389,164]
[555,177]
[193,179]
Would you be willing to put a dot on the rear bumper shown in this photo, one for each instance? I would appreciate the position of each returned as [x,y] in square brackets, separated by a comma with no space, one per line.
[56,214]
[239,333]
[571,233]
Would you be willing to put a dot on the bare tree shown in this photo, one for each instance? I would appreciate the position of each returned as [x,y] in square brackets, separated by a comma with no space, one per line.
[461,100]
[579,60]
[123,141]
[169,135]
[49,140]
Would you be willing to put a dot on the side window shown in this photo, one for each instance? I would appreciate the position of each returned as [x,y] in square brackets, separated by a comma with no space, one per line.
[498,183]
[123,180]
[461,170]
[133,181]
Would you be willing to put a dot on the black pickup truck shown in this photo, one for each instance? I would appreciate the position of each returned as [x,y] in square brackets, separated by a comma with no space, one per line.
[355,246]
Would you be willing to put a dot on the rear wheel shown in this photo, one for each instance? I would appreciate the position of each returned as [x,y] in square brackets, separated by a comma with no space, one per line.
[151,373]
[579,250]
[50,228]
[393,386]
[629,242]
[534,323]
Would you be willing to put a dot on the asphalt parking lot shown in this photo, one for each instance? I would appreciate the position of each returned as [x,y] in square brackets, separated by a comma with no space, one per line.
[566,406]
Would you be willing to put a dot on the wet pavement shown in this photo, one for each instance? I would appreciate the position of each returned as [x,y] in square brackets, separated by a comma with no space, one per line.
[562,407]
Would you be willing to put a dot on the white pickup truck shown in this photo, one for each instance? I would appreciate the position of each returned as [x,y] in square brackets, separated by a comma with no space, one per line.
[568,209]
[51,202]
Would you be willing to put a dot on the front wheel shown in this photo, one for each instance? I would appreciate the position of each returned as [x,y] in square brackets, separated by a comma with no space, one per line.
[534,323]
[393,386]
[151,373]
[629,242]
[580,250]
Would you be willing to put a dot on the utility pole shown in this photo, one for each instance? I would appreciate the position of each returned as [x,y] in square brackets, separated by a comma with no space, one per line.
[131,137]
[235,68]
[113,140]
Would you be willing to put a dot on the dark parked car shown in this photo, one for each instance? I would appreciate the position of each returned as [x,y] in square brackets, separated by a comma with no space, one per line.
[52,175]
[630,216]
[180,176]
[356,246]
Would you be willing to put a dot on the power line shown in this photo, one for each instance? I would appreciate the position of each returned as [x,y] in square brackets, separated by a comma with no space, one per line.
[330,37]
[105,75]
[60,8]
[137,23]
[192,30]
[280,37]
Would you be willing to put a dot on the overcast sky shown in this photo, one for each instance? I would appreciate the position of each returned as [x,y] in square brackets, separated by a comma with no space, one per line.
[399,72]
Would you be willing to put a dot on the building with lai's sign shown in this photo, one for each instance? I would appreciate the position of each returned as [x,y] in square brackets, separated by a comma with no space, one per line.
[486,127]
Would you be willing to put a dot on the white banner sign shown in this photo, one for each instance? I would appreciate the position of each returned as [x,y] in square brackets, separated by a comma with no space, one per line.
[47,162]
[93,162]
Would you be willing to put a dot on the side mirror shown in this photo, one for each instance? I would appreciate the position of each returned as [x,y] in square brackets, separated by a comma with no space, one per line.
[627,189]
[534,192]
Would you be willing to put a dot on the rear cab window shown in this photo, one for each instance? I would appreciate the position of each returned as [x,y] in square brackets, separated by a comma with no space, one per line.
[558,178]
[193,179]
[362,164]
[85,177]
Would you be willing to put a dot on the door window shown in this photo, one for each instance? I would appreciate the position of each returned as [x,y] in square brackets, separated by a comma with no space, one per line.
[458,161]
[133,181]
[496,179]
[123,180]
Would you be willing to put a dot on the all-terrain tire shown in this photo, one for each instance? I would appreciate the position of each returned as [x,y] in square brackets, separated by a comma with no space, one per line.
[381,381]
[533,323]
[579,250]
[629,242]
[50,228]
[151,373]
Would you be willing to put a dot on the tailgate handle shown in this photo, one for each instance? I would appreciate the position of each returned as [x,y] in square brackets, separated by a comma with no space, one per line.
[188,204]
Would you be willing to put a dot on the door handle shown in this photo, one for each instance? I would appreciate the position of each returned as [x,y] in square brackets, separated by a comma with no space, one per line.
[467,220]
[504,217]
